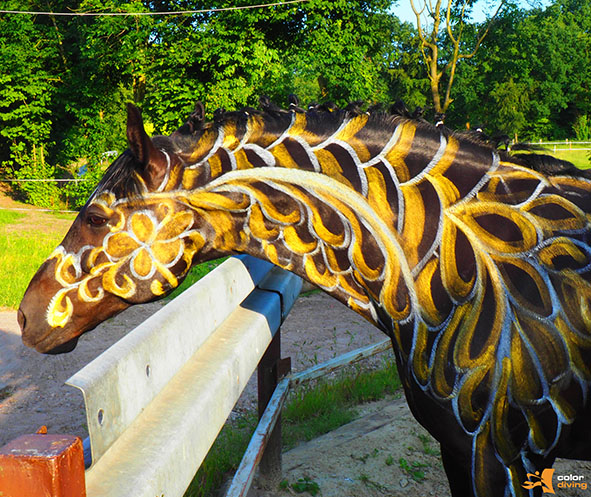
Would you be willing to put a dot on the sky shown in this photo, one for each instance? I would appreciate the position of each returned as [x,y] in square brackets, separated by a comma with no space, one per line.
[404,12]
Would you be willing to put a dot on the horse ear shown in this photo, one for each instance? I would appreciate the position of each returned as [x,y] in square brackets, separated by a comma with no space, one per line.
[140,143]
[152,160]
[196,118]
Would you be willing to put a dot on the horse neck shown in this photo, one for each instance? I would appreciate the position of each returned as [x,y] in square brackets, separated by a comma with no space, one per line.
[354,206]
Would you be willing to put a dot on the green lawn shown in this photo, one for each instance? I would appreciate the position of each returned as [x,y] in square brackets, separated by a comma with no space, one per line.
[575,153]
[10,217]
[579,158]
[22,251]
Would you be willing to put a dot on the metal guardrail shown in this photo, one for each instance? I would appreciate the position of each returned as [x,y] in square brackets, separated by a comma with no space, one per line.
[162,393]
[122,382]
[157,399]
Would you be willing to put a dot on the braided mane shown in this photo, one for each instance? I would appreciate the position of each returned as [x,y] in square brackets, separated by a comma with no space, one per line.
[324,118]
[123,180]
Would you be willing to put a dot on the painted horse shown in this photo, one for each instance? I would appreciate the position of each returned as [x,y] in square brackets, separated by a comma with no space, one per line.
[477,266]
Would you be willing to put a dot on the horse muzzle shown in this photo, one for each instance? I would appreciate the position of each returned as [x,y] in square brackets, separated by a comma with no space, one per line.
[39,336]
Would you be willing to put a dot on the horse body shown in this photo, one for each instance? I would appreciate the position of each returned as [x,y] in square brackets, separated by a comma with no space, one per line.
[476,266]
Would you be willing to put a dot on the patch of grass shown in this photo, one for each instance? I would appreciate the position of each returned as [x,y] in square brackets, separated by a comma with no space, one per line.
[26,239]
[413,469]
[328,418]
[224,456]
[9,217]
[320,408]
[427,448]
[310,412]
[21,254]
[304,484]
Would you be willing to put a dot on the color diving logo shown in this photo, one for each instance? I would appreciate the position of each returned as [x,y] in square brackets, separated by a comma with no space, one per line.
[547,481]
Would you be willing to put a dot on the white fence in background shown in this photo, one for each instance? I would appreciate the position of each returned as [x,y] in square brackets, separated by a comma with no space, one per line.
[567,145]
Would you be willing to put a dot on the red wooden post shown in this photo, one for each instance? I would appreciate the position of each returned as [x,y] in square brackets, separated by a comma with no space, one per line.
[41,464]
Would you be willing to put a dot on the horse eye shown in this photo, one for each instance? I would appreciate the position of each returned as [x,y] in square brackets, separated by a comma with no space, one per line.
[94,220]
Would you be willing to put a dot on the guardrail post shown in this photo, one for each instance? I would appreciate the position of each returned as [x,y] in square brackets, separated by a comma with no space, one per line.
[270,370]
[41,464]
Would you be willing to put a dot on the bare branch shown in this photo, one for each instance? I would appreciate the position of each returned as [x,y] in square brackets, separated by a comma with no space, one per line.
[429,36]
[448,22]
[421,33]
[486,30]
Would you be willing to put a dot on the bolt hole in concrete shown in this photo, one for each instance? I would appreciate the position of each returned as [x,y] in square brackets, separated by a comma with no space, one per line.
[101,417]
[148,370]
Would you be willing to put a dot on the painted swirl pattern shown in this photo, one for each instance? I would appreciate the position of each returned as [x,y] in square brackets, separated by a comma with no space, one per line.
[143,246]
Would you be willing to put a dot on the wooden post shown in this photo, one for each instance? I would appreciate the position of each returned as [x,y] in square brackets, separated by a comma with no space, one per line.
[270,370]
[41,464]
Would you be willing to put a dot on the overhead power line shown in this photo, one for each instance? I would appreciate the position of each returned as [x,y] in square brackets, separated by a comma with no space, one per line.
[171,13]
[48,180]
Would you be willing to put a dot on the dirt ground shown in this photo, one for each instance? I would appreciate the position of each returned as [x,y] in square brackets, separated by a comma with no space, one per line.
[383,453]
[35,219]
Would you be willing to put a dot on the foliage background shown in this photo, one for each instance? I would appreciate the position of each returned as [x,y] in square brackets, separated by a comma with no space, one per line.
[64,81]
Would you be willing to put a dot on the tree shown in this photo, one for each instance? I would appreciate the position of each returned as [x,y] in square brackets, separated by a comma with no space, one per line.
[443,43]
[512,101]
[532,74]
[62,106]
[407,80]
[341,51]
[27,84]
[321,50]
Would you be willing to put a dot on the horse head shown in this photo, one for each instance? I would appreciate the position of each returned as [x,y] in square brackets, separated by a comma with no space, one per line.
[131,243]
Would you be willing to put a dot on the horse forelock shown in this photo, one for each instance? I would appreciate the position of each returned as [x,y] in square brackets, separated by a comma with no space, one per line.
[122,178]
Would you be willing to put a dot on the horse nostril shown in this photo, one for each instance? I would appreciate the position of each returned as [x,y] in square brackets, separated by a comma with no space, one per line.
[20,317]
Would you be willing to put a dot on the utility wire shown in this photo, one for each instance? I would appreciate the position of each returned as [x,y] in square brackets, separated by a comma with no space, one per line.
[172,13]
[8,180]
